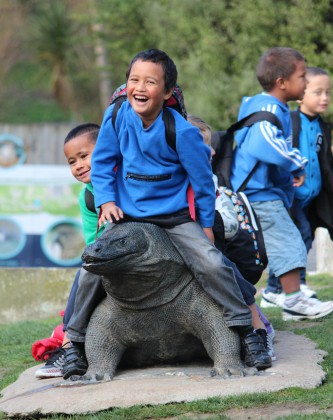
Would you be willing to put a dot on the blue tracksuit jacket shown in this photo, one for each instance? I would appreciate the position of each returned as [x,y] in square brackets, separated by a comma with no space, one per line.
[265,143]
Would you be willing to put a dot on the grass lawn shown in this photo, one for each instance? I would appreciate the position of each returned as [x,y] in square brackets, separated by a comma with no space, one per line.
[15,357]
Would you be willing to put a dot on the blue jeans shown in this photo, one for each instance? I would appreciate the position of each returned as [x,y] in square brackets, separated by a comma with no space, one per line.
[303,225]
[247,289]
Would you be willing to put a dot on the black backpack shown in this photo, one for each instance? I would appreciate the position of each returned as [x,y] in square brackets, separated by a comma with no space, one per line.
[247,247]
[223,144]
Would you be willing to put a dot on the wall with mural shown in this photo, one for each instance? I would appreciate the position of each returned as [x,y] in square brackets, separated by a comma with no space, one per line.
[40,222]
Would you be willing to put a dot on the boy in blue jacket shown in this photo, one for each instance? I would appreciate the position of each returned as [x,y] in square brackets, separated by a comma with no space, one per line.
[279,169]
[152,179]
[259,322]
[313,204]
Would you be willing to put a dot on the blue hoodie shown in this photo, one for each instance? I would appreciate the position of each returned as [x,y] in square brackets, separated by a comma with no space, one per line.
[264,142]
[151,178]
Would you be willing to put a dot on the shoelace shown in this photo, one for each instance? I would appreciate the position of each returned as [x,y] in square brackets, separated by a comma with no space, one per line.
[56,357]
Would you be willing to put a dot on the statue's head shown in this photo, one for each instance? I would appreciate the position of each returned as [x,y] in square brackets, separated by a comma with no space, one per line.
[136,260]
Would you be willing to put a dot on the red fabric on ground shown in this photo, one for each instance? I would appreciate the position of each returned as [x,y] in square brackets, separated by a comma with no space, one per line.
[40,347]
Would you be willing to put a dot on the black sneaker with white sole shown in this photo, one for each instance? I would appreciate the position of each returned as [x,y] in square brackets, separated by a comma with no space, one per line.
[75,361]
[254,352]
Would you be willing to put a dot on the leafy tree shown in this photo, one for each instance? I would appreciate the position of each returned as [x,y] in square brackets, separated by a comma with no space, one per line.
[52,38]
[215,44]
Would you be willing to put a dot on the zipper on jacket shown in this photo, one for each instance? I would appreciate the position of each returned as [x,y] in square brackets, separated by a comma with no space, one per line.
[147,178]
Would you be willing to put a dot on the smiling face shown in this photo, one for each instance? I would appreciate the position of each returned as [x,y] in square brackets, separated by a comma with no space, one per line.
[78,153]
[146,90]
[317,95]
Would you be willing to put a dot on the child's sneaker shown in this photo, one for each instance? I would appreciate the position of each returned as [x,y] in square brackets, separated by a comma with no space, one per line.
[307,291]
[75,361]
[53,365]
[271,300]
[306,308]
[268,338]
[254,352]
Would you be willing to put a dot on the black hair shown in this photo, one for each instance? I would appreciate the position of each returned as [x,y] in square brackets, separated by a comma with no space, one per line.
[79,130]
[158,56]
[277,62]
[316,71]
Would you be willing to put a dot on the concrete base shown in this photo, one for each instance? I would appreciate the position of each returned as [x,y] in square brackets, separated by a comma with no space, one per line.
[161,385]
[324,246]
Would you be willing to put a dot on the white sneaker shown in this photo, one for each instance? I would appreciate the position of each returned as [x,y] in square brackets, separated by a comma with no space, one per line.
[53,365]
[272,300]
[307,308]
[307,291]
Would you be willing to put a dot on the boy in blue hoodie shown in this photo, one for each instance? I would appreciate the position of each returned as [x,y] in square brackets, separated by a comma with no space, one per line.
[313,204]
[151,180]
[279,169]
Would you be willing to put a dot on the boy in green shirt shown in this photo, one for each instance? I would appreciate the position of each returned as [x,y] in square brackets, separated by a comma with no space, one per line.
[79,145]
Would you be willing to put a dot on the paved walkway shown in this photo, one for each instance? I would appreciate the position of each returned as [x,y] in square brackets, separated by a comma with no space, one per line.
[29,396]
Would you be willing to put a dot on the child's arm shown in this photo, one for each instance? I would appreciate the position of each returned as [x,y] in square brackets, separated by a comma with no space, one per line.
[266,143]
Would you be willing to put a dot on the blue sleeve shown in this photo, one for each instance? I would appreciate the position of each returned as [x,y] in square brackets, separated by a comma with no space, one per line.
[268,144]
[194,156]
[105,158]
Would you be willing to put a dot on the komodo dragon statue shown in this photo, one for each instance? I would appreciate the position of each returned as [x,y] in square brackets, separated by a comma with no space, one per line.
[155,311]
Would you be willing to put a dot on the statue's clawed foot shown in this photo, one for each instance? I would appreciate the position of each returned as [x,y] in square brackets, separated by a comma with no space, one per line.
[89,378]
[227,372]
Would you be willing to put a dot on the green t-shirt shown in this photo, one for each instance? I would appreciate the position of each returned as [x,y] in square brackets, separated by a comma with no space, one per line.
[89,218]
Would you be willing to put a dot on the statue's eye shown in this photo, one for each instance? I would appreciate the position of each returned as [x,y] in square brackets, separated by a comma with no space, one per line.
[122,241]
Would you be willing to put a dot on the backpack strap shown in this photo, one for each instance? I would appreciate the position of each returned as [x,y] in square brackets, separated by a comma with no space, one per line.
[90,203]
[268,116]
[296,127]
[170,135]
[170,128]
[254,118]
[117,104]
[89,200]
